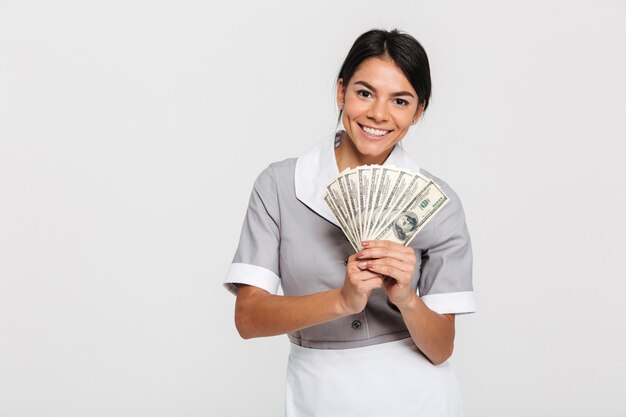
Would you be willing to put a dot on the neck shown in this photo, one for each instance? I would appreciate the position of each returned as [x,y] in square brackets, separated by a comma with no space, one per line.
[348,156]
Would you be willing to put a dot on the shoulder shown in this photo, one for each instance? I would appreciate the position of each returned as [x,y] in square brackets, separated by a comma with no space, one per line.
[452,214]
[279,169]
[445,187]
[275,174]
[284,168]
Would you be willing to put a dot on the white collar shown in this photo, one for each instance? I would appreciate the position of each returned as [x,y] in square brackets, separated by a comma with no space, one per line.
[318,167]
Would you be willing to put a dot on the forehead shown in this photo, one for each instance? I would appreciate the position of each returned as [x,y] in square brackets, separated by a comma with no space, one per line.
[382,74]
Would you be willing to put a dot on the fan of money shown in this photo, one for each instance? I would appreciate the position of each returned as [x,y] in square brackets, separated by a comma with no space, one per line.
[376,202]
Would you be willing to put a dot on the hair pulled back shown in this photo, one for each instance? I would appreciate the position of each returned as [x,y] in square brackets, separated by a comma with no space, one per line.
[405,51]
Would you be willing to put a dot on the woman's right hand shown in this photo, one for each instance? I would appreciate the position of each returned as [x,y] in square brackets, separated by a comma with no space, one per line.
[358,285]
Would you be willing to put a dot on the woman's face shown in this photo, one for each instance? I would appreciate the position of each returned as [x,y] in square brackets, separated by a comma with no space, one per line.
[379,104]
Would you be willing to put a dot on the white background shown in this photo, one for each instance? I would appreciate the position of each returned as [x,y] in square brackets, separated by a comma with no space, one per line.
[131,133]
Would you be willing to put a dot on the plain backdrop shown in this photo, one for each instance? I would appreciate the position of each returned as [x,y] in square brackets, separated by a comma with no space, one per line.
[131,133]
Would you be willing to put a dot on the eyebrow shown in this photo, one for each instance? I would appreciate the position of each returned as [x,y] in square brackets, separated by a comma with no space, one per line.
[399,93]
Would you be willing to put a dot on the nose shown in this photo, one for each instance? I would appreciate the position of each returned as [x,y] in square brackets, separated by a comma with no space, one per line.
[377,111]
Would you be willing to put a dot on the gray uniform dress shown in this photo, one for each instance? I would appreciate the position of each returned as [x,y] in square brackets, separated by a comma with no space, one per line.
[290,238]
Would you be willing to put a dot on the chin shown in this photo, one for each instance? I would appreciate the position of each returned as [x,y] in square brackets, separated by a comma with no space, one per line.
[371,149]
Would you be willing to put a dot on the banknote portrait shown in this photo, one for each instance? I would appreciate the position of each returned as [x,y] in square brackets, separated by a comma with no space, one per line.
[405,225]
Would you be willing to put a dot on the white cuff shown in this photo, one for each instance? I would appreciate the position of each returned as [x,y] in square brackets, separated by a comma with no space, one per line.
[451,302]
[252,275]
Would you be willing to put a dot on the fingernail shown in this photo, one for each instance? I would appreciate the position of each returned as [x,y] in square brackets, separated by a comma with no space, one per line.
[365,243]
[359,255]
[362,265]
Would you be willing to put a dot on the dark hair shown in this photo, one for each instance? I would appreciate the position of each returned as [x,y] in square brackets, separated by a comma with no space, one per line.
[405,51]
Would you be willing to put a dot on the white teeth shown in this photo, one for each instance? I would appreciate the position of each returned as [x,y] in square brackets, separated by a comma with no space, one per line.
[374,132]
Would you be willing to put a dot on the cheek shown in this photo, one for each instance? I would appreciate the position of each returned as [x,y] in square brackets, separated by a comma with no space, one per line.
[357,106]
[402,121]
[345,119]
[403,117]
[349,117]
[353,109]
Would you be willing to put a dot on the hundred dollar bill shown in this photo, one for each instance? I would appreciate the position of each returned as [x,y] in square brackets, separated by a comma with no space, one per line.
[364,175]
[395,189]
[374,182]
[352,184]
[388,176]
[340,185]
[407,222]
[343,222]
[409,184]
[336,195]
[345,196]
[382,203]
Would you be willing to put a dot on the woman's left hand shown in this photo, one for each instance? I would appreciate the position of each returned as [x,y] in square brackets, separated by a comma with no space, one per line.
[396,262]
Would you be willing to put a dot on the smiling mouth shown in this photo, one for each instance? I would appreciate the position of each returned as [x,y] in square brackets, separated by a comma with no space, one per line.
[377,133]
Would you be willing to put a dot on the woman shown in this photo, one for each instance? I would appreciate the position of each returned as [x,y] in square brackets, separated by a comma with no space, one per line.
[371,331]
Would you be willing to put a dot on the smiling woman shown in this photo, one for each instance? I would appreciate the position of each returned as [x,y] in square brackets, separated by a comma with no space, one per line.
[378,105]
[383,88]
[370,332]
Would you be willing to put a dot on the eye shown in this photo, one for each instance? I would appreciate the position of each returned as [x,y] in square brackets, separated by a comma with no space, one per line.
[364,93]
[401,102]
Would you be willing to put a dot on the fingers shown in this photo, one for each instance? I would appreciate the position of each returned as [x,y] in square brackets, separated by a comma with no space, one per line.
[363,275]
[392,271]
[389,282]
[367,283]
[385,244]
[373,283]
[363,278]
[358,269]
[387,258]
[400,271]
[352,265]
[384,265]
[373,249]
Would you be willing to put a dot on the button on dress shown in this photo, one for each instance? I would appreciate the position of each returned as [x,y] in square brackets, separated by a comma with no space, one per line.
[364,364]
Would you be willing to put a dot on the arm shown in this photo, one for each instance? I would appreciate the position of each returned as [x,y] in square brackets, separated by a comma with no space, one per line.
[433,333]
[259,313]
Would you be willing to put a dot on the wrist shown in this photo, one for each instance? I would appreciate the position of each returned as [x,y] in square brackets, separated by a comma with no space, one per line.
[341,308]
[409,305]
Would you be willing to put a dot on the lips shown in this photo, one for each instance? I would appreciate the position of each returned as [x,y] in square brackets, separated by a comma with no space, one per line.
[373,132]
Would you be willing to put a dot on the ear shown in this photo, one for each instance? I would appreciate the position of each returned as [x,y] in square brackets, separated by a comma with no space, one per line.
[341,93]
[418,112]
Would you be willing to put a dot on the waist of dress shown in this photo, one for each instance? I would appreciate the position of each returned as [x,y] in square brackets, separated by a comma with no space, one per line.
[346,344]
[371,352]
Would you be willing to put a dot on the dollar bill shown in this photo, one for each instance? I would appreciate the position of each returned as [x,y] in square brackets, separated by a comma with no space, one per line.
[408,185]
[406,223]
[374,182]
[336,195]
[377,202]
[352,185]
[343,222]
[387,180]
[364,175]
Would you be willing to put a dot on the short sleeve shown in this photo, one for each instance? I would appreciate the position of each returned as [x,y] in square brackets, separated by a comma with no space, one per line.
[445,283]
[256,261]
